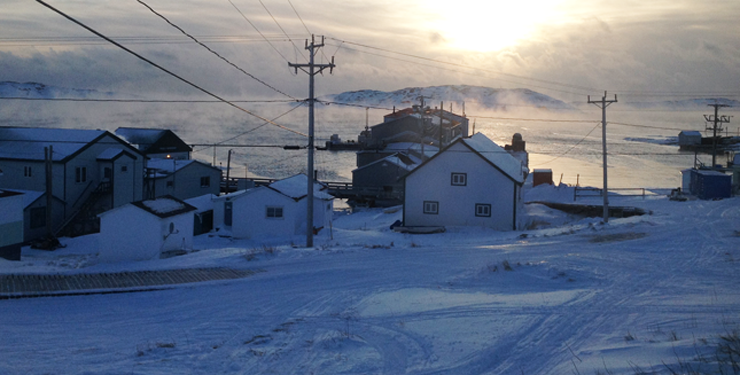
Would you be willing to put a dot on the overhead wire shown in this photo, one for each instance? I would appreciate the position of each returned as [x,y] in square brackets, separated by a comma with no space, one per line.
[211,50]
[574,146]
[458,71]
[258,31]
[140,100]
[554,83]
[298,50]
[88,28]
[253,129]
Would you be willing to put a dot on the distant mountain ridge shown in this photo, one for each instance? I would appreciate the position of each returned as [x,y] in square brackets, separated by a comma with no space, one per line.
[686,104]
[485,97]
[11,89]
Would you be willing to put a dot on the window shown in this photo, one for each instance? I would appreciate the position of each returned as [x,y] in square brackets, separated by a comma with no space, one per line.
[80,174]
[169,184]
[205,181]
[482,210]
[107,173]
[431,208]
[124,168]
[274,212]
[38,217]
[26,171]
[459,179]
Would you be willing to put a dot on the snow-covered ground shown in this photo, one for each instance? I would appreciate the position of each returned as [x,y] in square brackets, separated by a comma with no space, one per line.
[568,296]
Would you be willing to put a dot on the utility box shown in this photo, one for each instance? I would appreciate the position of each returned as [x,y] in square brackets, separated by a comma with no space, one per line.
[542,176]
[707,184]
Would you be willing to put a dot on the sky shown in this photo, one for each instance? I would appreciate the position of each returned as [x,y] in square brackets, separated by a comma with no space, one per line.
[567,49]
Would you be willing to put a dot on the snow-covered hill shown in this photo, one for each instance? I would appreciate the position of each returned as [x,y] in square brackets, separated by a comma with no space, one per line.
[687,103]
[476,96]
[10,89]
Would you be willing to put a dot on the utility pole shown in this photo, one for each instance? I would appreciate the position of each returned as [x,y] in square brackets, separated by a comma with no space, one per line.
[313,69]
[603,104]
[48,157]
[228,169]
[717,121]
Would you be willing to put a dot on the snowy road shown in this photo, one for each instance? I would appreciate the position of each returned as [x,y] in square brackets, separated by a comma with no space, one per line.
[580,298]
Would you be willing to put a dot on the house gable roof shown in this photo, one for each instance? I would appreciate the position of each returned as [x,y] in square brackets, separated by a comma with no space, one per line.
[165,167]
[21,143]
[296,187]
[489,151]
[154,141]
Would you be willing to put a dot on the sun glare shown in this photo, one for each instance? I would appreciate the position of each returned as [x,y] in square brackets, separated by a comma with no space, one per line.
[489,26]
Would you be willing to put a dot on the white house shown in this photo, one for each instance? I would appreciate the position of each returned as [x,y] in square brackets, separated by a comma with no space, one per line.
[278,209]
[11,224]
[84,163]
[145,229]
[471,182]
[182,179]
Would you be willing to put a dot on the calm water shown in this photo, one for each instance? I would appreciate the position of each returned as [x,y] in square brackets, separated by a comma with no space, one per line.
[639,156]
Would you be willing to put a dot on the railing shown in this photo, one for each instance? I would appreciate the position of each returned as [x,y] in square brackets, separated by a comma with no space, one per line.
[585,192]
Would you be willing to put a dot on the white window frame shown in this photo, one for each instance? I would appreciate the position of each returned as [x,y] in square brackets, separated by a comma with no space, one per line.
[459,179]
[482,210]
[431,208]
[274,212]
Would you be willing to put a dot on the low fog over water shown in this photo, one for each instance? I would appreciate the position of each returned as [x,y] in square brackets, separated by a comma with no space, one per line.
[641,142]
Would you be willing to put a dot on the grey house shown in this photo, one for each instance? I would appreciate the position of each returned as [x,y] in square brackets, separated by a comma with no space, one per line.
[89,168]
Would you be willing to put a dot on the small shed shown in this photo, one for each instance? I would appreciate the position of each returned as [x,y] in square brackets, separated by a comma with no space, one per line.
[689,139]
[144,230]
[278,209]
[11,224]
[709,184]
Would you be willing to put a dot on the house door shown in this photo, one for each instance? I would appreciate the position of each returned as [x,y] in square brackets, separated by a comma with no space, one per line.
[228,213]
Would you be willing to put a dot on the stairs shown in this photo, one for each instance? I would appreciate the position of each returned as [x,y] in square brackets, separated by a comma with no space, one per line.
[85,220]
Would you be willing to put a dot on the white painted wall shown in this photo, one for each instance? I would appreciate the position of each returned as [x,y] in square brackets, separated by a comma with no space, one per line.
[249,218]
[129,233]
[11,220]
[485,185]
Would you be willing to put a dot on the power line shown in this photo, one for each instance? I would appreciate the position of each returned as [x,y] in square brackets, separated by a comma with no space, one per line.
[141,100]
[465,66]
[258,31]
[162,68]
[299,17]
[458,71]
[250,130]
[283,30]
[574,146]
[211,50]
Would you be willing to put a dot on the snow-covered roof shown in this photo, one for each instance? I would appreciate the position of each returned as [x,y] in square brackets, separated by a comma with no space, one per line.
[296,187]
[21,143]
[499,157]
[406,162]
[691,132]
[109,154]
[168,165]
[202,203]
[29,196]
[164,206]
[140,136]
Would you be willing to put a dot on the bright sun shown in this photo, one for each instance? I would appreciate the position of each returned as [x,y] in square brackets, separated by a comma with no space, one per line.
[488,26]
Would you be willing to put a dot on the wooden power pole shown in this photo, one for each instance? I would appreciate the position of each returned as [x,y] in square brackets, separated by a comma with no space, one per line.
[603,103]
[311,69]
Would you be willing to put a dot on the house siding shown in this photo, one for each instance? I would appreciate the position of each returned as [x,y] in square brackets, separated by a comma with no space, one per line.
[485,184]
